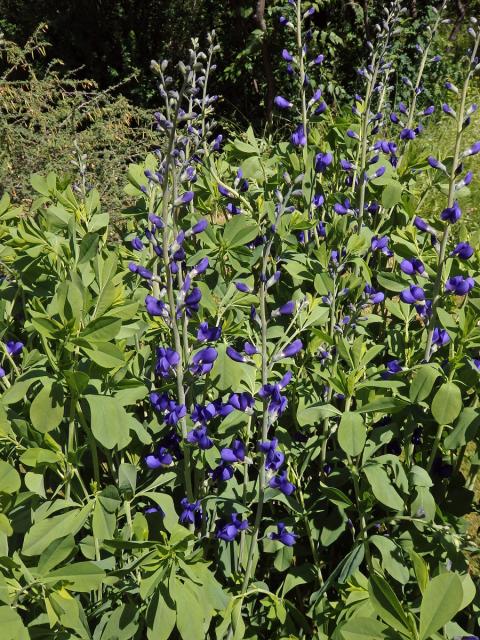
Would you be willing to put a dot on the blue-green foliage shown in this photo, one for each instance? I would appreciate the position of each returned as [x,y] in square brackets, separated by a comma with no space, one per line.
[256,416]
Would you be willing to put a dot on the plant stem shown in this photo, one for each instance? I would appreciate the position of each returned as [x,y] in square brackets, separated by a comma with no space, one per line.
[301,63]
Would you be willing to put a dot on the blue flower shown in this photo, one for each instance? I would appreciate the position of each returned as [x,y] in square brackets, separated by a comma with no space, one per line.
[206,333]
[411,266]
[413,295]
[202,361]
[234,454]
[167,360]
[282,103]
[460,285]
[322,161]
[273,458]
[137,244]
[199,436]
[463,250]
[381,244]
[290,350]
[229,531]
[162,458]
[278,403]
[452,214]
[189,510]
[235,355]
[224,472]
[14,348]
[192,300]
[242,401]
[285,537]
[299,137]
[156,307]
[280,482]
[287,56]
[440,337]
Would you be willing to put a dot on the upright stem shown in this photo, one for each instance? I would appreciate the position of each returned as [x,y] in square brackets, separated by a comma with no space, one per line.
[442,256]
[265,424]
[301,67]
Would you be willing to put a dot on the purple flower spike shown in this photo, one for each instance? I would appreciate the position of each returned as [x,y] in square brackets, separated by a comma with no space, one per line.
[282,103]
[460,285]
[421,224]
[202,361]
[285,310]
[285,537]
[244,288]
[463,250]
[407,134]
[224,191]
[452,214]
[280,482]
[250,349]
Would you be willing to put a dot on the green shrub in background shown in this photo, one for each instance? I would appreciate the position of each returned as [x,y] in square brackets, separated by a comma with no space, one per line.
[49,118]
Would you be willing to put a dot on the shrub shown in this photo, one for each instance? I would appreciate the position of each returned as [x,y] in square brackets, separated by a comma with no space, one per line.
[259,415]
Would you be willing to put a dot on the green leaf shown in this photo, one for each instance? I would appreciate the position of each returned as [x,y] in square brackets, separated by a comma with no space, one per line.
[110,422]
[9,478]
[386,605]
[46,410]
[189,610]
[239,231]
[465,429]
[382,487]
[393,561]
[127,478]
[79,576]
[359,628]
[56,552]
[422,382]
[106,355]
[102,329]
[441,601]
[310,416]
[391,194]
[447,403]
[12,625]
[352,433]
[43,532]
[351,563]
[161,616]
[421,570]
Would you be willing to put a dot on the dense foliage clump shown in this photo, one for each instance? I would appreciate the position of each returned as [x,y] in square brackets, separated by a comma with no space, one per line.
[256,415]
